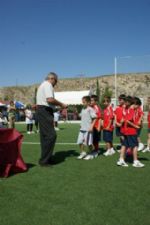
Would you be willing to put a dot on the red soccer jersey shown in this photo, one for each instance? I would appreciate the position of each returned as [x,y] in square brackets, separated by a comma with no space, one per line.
[148,119]
[127,129]
[138,115]
[98,114]
[119,113]
[108,115]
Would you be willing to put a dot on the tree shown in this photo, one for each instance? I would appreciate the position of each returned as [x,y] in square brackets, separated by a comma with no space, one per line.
[6,98]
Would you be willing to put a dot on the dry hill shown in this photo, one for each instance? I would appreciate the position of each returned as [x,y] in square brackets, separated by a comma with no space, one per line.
[132,84]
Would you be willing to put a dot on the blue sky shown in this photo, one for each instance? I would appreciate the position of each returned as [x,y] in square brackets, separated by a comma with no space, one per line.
[71,37]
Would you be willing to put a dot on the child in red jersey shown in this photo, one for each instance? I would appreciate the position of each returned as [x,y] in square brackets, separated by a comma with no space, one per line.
[108,127]
[139,114]
[118,112]
[96,128]
[147,149]
[129,130]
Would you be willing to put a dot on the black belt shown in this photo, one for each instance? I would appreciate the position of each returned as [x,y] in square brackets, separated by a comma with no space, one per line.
[45,107]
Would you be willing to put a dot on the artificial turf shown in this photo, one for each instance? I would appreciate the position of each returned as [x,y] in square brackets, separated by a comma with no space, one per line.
[75,192]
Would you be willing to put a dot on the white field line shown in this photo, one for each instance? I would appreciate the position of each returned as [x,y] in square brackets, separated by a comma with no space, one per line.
[38,143]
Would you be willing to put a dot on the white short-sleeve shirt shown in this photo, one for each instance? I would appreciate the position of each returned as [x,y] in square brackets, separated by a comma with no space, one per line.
[87,115]
[29,116]
[45,91]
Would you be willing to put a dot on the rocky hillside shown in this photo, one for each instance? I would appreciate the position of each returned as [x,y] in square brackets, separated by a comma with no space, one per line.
[132,84]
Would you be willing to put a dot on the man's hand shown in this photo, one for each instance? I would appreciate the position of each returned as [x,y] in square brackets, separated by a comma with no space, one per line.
[90,129]
[64,106]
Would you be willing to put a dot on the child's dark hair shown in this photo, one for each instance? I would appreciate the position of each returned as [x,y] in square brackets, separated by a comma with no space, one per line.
[107,99]
[129,99]
[122,96]
[137,101]
[87,98]
[95,97]
[11,102]
[28,106]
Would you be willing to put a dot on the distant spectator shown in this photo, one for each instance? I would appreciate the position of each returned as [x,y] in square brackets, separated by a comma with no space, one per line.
[3,121]
[56,119]
[36,121]
[64,114]
[11,114]
[75,114]
[22,115]
[5,113]
[29,119]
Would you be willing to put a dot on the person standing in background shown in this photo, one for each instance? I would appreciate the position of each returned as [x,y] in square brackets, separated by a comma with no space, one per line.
[35,118]
[56,119]
[29,119]
[46,103]
[3,121]
[11,114]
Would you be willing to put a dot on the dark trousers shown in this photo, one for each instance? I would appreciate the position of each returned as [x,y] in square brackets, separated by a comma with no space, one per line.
[47,133]
[29,127]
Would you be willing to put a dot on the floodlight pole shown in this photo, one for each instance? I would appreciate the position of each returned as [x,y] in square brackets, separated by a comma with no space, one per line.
[115,65]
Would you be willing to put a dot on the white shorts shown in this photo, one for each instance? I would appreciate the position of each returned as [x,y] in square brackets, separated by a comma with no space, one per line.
[85,138]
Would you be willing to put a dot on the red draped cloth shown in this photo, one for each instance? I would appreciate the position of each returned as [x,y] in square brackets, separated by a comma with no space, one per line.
[10,152]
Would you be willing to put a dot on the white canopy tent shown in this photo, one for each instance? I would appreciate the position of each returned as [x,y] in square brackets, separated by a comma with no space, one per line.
[71,97]
[2,104]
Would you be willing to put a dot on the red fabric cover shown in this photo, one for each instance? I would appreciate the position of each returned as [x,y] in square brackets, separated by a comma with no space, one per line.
[10,152]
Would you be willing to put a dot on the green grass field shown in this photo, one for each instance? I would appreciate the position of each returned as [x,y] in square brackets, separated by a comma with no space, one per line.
[75,192]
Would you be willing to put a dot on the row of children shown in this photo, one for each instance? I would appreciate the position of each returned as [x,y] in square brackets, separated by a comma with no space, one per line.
[127,118]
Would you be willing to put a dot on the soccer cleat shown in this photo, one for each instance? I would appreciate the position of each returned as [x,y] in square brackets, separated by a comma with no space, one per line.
[138,164]
[56,128]
[119,151]
[108,152]
[112,151]
[88,157]
[147,149]
[140,147]
[82,155]
[91,156]
[121,162]
[95,154]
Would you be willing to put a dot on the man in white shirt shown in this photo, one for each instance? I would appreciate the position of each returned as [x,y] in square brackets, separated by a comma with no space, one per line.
[46,103]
